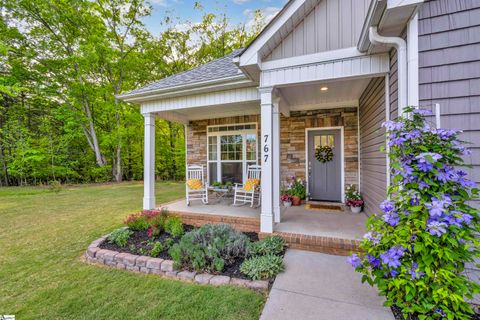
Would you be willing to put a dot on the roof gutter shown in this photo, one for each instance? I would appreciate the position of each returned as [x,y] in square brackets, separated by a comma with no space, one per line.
[401,46]
[374,16]
[146,95]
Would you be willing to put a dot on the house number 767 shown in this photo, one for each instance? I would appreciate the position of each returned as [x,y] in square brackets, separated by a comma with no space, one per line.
[265,148]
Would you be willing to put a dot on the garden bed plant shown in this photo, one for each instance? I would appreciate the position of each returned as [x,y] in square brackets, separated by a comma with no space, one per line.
[417,250]
[212,248]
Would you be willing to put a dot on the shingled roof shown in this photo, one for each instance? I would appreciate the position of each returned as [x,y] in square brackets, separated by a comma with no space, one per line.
[216,69]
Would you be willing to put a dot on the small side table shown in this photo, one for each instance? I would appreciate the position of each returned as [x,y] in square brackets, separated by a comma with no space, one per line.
[221,194]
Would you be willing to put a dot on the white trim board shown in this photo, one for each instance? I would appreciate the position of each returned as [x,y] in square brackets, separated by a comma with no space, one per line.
[342,149]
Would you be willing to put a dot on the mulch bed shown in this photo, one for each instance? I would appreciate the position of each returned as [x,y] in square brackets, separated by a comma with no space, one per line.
[139,240]
[397,313]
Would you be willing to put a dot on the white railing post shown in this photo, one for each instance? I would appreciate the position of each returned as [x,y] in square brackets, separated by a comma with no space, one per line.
[266,217]
[276,160]
[149,162]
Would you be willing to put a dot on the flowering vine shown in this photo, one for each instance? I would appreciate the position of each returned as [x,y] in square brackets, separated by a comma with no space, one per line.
[416,251]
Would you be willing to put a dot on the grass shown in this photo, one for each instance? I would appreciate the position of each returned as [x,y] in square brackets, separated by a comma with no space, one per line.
[43,236]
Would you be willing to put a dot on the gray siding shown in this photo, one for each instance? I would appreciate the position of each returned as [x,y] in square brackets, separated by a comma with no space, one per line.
[373,178]
[449,61]
[331,25]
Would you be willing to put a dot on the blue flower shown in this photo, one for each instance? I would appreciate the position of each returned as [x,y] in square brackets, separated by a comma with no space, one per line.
[440,312]
[374,262]
[387,206]
[391,218]
[414,273]
[437,207]
[375,239]
[392,256]
[392,125]
[422,112]
[423,185]
[396,141]
[392,273]
[436,228]
[413,134]
[354,260]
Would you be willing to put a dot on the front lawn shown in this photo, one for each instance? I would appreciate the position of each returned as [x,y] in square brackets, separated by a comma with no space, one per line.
[43,235]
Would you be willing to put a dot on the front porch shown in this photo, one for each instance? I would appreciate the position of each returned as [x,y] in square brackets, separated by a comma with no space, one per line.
[336,232]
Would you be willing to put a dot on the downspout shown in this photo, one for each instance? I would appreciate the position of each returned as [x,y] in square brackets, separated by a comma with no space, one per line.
[412,53]
[401,46]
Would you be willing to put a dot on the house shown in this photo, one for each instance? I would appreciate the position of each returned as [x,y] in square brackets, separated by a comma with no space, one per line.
[323,73]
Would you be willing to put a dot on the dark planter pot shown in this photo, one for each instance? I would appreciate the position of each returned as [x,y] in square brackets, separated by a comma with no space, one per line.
[296,201]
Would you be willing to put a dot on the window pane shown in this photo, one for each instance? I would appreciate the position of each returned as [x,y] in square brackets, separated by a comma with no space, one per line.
[212,148]
[232,172]
[212,172]
[231,147]
[251,147]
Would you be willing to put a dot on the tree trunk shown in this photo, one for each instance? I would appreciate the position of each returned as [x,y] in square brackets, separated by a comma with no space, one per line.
[4,165]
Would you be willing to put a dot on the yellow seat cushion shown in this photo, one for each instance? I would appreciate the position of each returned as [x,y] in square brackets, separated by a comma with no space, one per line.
[194,184]
[250,184]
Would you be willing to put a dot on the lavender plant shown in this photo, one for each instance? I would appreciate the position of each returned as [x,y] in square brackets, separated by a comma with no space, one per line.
[416,251]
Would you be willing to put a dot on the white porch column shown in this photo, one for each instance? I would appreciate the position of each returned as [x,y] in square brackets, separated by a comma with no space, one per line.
[149,162]
[276,160]
[266,217]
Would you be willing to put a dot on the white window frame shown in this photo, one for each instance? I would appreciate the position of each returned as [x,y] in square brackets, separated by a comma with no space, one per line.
[244,161]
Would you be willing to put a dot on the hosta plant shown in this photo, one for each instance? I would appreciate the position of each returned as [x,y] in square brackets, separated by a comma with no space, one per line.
[271,245]
[262,267]
[415,252]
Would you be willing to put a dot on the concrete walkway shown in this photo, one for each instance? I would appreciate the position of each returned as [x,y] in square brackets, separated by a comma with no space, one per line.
[322,287]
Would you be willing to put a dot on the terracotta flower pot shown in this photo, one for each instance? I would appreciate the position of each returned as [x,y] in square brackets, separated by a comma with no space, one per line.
[296,201]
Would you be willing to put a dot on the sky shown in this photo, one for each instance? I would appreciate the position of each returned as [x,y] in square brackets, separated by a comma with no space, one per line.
[239,11]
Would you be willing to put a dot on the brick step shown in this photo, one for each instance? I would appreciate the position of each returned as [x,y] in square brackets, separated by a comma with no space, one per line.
[329,245]
[245,224]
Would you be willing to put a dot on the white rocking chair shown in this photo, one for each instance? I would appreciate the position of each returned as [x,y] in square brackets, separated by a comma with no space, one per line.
[250,191]
[195,186]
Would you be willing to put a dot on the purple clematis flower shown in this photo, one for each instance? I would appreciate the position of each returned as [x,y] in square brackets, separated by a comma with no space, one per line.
[375,239]
[436,228]
[422,112]
[414,273]
[354,260]
[374,262]
[437,207]
[387,206]
[413,134]
[392,256]
[391,218]
[392,125]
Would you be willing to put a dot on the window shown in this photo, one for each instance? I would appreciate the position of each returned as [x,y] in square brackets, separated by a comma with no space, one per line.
[231,149]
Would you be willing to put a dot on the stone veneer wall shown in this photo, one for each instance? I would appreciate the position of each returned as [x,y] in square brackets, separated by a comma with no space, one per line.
[292,139]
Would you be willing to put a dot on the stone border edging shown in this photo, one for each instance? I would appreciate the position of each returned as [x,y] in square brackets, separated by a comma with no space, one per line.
[161,267]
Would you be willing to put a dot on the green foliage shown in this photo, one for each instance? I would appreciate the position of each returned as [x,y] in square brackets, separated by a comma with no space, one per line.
[209,248]
[120,237]
[137,222]
[416,252]
[174,226]
[59,117]
[157,248]
[297,188]
[271,245]
[55,186]
[262,267]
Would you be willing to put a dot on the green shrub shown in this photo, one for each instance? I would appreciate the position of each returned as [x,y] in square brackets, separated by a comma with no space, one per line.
[136,222]
[120,237]
[209,248]
[262,267]
[55,186]
[271,245]
[174,226]
[158,247]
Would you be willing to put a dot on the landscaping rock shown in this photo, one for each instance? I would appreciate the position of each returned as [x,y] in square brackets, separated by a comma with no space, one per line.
[142,261]
[240,282]
[219,280]
[186,275]
[167,266]
[133,268]
[129,259]
[144,270]
[100,253]
[153,263]
[203,278]
[258,284]
[171,274]
[120,265]
[91,251]
[157,271]
[109,255]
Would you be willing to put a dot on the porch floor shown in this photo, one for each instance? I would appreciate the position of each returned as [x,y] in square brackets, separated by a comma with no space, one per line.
[298,220]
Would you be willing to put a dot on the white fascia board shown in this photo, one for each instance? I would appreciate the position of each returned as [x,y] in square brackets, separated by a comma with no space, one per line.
[187,88]
[250,55]
[312,58]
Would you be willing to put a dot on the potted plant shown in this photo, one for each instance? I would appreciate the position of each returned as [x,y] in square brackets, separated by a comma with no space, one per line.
[297,191]
[353,199]
[355,205]
[287,200]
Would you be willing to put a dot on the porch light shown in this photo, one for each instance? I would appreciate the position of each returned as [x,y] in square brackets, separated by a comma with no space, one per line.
[324,89]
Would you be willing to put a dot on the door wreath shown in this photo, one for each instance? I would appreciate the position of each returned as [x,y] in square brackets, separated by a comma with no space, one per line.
[324,154]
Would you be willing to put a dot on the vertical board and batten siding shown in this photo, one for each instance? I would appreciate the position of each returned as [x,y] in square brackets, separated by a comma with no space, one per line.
[449,68]
[331,25]
[373,180]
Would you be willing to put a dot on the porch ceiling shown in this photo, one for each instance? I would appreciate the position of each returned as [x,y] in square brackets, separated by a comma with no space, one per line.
[339,94]
[211,112]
